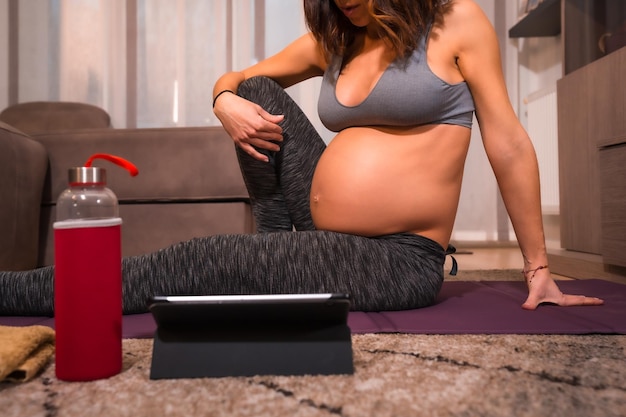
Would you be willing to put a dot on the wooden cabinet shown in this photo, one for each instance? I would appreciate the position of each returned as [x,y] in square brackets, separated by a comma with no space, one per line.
[585,25]
[579,177]
[582,24]
[545,20]
[612,159]
[613,202]
[592,158]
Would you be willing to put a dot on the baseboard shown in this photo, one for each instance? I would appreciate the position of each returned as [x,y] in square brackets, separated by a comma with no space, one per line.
[582,265]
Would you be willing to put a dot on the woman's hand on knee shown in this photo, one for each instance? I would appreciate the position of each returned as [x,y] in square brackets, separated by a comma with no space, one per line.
[249,125]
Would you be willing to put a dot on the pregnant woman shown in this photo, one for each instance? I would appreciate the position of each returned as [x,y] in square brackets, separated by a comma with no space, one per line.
[371,214]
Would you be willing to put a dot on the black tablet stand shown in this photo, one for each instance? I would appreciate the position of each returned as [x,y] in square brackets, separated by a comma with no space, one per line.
[246,341]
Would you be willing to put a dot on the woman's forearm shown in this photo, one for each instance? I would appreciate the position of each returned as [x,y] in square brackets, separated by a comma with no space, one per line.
[518,179]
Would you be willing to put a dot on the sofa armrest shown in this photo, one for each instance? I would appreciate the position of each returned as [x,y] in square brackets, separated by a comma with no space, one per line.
[23,163]
[186,163]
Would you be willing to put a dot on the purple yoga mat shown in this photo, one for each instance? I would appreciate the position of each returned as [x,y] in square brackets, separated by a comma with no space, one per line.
[463,307]
[494,307]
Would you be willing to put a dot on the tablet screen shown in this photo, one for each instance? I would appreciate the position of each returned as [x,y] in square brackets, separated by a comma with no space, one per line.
[248,299]
[253,310]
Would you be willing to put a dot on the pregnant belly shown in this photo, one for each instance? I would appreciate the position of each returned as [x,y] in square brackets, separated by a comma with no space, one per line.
[372,182]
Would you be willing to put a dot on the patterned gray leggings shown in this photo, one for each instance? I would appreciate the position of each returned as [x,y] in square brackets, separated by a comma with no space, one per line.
[391,272]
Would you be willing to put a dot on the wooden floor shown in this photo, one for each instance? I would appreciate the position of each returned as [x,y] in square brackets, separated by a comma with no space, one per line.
[508,257]
[470,258]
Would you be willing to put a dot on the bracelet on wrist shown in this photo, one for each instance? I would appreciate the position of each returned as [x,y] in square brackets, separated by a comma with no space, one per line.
[220,93]
[534,271]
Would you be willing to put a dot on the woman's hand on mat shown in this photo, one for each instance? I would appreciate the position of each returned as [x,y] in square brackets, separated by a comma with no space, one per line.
[543,289]
[249,125]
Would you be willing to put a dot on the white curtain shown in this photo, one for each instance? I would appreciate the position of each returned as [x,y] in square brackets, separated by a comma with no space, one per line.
[181,50]
[162,74]
[76,50]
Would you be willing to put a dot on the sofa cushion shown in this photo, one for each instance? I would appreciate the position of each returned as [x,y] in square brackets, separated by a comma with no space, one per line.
[46,116]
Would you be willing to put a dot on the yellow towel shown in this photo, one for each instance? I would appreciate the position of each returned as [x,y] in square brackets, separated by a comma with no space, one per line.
[24,351]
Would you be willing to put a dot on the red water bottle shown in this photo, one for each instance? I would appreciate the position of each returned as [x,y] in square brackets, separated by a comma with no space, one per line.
[88,276]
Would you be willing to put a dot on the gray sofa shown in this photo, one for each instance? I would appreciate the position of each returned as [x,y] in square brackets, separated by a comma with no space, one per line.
[189,185]
[23,163]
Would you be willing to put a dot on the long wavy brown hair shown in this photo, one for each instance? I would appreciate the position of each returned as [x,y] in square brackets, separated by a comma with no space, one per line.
[401,22]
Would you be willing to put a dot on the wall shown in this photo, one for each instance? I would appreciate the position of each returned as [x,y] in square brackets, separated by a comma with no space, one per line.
[477,218]
[530,66]
[539,64]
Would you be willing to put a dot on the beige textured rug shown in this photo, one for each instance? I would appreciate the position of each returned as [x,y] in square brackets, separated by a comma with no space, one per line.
[396,375]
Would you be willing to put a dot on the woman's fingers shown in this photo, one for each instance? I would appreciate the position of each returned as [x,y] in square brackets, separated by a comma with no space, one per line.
[564,300]
[580,300]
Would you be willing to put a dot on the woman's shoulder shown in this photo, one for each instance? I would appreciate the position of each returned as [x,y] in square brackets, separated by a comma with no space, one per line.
[464,22]
[463,8]
[463,12]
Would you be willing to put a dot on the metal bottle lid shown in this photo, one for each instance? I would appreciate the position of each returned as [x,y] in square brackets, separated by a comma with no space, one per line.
[87,175]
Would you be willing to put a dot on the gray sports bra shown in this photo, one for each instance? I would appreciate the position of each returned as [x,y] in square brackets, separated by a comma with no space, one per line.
[407,94]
